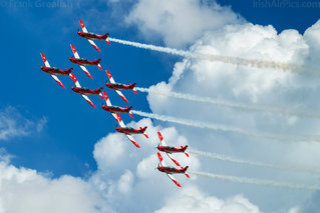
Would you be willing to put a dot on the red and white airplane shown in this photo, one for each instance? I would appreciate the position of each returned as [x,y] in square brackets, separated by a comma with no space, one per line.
[118,87]
[92,36]
[162,167]
[163,147]
[85,91]
[84,62]
[115,109]
[53,71]
[128,131]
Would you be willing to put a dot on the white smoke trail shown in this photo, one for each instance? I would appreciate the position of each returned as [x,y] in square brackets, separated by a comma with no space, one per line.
[214,127]
[257,108]
[257,181]
[218,58]
[253,163]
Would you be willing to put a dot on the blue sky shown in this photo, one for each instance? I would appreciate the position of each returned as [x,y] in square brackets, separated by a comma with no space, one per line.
[65,145]
[73,126]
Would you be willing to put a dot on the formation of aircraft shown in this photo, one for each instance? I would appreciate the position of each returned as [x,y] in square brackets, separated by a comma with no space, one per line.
[163,147]
[114,110]
[84,62]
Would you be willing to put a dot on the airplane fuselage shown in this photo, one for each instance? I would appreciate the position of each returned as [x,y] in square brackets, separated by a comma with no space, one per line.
[86,91]
[85,62]
[91,36]
[170,149]
[170,170]
[115,109]
[55,71]
[128,130]
[120,86]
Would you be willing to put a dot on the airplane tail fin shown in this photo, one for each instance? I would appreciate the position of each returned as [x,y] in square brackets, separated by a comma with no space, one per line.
[185,168]
[98,63]
[100,93]
[133,85]
[184,150]
[129,108]
[143,130]
[69,70]
[105,37]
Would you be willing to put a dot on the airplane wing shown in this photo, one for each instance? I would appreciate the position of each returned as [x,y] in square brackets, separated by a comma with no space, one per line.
[121,95]
[174,161]
[75,80]
[44,59]
[110,77]
[75,53]
[57,80]
[106,98]
[94,45]
[118,118]
[177,163]
[162,141]
[174,180]
[89,101]
[162,163]
[120,121]
[84,29]
[132,140]
[85,71]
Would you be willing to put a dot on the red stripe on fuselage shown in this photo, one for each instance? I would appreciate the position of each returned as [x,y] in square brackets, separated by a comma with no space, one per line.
[85,91]
[119,86]
[84,62]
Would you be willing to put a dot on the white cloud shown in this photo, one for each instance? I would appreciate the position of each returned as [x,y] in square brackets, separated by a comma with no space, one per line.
[250,86]
[24,190]
[125,182]
[190,199]
[179,22]
[13,124]
[126,177]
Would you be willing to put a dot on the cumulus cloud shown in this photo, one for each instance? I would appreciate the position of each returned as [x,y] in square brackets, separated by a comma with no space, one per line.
[190,199]
[134,173]
[14,124]
[25,190]
[126,177]
[179,22]
[243,85]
